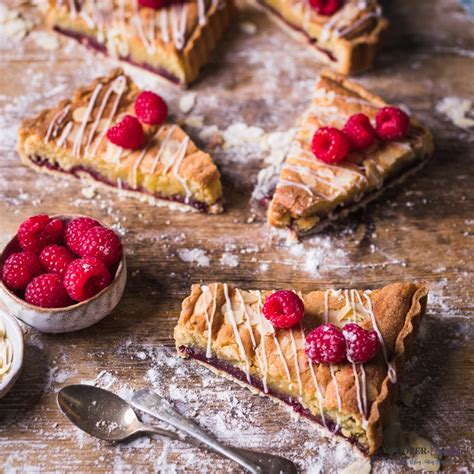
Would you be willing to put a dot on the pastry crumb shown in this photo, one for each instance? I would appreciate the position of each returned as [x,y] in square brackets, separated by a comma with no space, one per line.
[248,27]
[187,102]
[457,110]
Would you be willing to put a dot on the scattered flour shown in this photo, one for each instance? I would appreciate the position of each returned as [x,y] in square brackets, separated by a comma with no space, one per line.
[457,110]
[12,24]
[194,255]
[229,260]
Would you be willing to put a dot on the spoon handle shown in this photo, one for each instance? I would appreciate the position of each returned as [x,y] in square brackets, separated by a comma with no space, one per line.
[151,403]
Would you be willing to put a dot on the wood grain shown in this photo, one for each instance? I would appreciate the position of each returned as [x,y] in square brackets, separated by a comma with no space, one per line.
[422,230]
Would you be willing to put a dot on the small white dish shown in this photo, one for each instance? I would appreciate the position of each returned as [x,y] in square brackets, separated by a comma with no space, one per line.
[72,318]
[15,336]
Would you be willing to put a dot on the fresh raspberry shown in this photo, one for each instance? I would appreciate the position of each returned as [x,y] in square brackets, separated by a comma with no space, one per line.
[326,344]
[20,268]
[155,4]
[85,277]
[283,309]
[47,291]
[38,231]
[151,108]
[102,243]
[361,344]
[359,131]
[391,123]
[325,7]
[128,133]
[330,145]
[56,258]
[75,230]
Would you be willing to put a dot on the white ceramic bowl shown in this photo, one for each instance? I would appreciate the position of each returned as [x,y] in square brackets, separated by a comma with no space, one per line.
[72,318]
[15,336]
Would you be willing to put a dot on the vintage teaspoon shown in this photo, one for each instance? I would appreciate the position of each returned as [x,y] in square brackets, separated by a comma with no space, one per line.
[105,415]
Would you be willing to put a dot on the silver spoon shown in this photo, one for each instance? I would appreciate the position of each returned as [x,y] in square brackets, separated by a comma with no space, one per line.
[106,416]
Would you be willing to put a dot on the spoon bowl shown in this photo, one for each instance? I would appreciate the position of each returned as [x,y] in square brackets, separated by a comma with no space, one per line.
[98,412]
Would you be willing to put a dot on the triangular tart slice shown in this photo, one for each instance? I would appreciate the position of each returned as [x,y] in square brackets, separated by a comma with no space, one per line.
[224,328]
[70,140]
[345,34]
[174,41]
[311,193]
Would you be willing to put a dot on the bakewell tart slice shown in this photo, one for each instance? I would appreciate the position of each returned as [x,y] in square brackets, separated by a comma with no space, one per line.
[349,146]
[173,39]
[345,34]
[290,347]
[97,137]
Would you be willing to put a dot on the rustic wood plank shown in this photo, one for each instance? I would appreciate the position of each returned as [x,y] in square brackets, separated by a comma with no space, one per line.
[422,230]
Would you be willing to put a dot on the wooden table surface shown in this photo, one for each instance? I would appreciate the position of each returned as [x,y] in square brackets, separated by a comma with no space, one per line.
[422,231]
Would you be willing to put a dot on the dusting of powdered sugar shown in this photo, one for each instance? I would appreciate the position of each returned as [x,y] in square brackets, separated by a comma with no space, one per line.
[198,256]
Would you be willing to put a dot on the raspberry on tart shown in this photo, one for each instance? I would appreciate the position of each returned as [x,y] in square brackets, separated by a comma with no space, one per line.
[173,39]
[326,344]
[283,309]
[128,133]
[311,193]
[330,145]
[362,345]
[344,34]
[20,268]
[305,366]
[359,131]
[151,108]
[392,123]
[96,137]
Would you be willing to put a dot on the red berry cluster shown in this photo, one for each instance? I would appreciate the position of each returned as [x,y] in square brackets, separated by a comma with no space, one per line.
[61,263]
[150,109]
[329,345]
[332,145]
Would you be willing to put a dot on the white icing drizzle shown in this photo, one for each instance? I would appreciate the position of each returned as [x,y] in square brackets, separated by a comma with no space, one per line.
[238,339]
[319,394]
[210,320]
[76,149]
[72,8]
[118,86]
[165,36]
[137,163]
[56,122]
[264,354]
[179,24]
[250,330]
[283,182]
[392,373]
[297,365]
[301,169]
[65,133]
[177,160]
[162,148]
[6,351]
[331,366]
[283,362]
[201,11]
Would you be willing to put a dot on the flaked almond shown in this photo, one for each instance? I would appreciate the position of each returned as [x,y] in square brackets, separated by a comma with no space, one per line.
[79,114]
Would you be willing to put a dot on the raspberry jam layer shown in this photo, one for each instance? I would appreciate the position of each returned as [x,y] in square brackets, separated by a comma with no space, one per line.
[238,374]
[92,43]
[74,171]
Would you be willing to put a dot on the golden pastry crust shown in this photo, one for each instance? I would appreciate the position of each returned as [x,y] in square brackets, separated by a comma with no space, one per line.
[70,140]
[241,338]
[348,41]
[310,193]
[174,41]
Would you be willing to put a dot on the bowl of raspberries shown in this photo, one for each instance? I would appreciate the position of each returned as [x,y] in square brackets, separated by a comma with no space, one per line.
[62,273]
